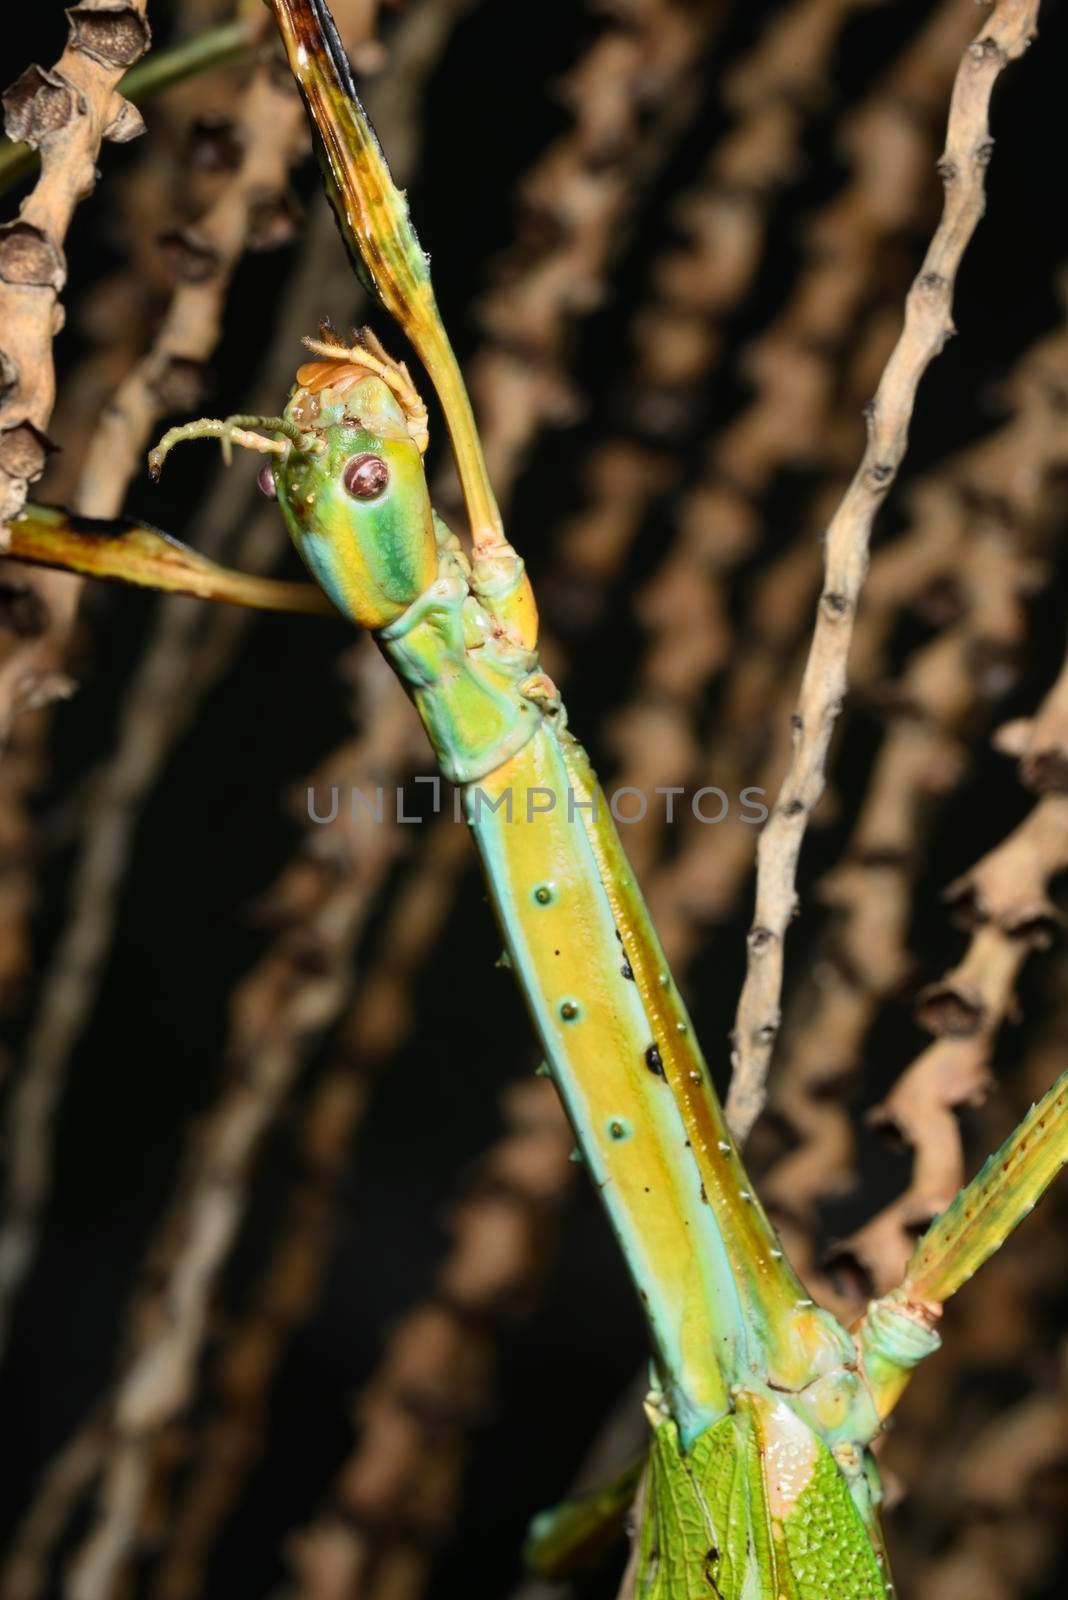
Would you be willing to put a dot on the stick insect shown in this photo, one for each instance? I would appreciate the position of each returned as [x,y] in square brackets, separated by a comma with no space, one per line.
[759,1482]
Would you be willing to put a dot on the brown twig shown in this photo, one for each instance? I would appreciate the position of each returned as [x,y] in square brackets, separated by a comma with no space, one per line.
[317,899]
[186,337]
[927,326]
[240,1376]
[1004,897]
[395,1497]
[285,1002]
[976,556]
[1040,743]
[846,246]
[630,94]
[65,113]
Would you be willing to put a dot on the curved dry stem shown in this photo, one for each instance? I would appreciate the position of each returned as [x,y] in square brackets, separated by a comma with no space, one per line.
[122,550]
[927,326]
[803,414]
[1005,896]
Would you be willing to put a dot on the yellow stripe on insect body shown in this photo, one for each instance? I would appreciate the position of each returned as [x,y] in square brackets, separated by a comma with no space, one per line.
[564,947]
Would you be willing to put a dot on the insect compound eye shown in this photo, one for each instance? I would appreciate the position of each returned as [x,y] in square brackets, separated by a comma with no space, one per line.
[365,477]
[265,479]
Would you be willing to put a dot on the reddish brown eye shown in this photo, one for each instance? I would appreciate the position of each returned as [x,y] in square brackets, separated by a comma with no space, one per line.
[365,477]
[266,482]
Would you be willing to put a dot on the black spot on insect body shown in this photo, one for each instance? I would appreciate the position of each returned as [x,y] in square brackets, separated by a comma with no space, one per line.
[653,1061]
[627,970]
[711,1563]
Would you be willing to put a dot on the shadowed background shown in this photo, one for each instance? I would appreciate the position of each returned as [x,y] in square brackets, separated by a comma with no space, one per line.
[635,213]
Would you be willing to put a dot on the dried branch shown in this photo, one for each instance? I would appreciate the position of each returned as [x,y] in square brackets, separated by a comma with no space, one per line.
[130,552]
[1004,897]
[317,900]
[927,326]
[843,278]
[977,557]
[396,1495]
[1040,743]
[213,47]
[283,1004]
[65,113]
[273,135]
[113,318]
[632,93]
[240,1378]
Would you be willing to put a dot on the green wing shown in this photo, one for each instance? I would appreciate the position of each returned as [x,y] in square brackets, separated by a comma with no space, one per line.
[758,1509]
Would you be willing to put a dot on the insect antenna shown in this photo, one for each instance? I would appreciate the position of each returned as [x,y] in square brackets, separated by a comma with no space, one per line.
[230,431]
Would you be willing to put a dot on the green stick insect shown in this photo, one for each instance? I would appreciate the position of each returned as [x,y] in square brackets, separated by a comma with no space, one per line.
[759,1483]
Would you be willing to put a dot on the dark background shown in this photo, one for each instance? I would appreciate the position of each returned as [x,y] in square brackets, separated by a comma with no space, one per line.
[217,830]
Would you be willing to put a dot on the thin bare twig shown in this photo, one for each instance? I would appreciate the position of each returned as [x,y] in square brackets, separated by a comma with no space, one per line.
[966,562]
[927,326]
